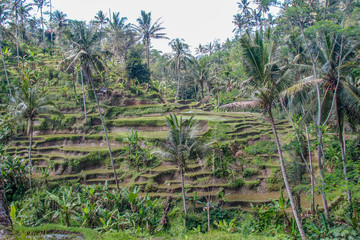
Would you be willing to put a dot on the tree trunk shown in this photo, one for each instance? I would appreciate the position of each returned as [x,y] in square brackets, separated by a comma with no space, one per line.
[84,100]
[105,131]
[42,25]
[30,125]
[5,220]
[320,162]
[17,45]
[148,55]
[318,123]
[6,75]
[283,171]
[208,218]
[178,84]
[311,170]
[342,147]
[183,190]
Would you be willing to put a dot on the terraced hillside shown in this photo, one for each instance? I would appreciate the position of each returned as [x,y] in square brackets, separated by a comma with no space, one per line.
[76,152]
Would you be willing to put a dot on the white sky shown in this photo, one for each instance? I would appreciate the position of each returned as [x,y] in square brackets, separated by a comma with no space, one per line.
[197,21]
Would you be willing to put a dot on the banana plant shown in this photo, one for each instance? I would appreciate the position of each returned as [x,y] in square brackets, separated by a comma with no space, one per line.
[67,204]
[108,220]
[226,226]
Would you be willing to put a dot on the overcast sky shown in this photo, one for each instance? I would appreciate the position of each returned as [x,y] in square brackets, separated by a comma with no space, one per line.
[197,21]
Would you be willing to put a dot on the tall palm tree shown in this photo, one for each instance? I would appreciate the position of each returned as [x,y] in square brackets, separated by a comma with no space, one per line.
[28,104]
[183,144]
[148,30]
[201,72]
[181,55]
[84,49]
[101,19]
[268,79]
[59,19]
[120,36]
[40,5]
[4,13]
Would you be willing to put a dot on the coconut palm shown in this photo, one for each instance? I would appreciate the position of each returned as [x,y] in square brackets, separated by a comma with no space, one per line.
[201,72]
[101,19]
[29,102]
[120,36]
[4,13]
[268,79]
[183,144]
[148,30]
[179,59]
[59,18]
[84,50]
[40,5]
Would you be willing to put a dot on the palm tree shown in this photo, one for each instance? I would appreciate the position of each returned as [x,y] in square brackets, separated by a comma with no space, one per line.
[101,19]
[16,5]
[120,36]
[268,79]
[200,71]
[181,55]
[147,31]
[40,5]
[4,13]
[28,104]
[85,51]
[183,144]
[59,18]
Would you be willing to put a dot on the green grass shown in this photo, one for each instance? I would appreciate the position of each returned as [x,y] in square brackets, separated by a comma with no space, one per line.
[22,232]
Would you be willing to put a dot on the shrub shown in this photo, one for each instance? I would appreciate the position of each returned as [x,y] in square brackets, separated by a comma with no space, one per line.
[252,184]
[237,183]
[248,172]
[261,147]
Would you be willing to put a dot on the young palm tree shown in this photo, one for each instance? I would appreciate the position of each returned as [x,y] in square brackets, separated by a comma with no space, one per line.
[183,144]
[28,104]
[85,51]
[180,57]
[148,30]
[268,79]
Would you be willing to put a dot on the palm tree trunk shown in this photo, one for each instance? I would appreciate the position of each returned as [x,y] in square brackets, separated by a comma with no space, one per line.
[320,145]
[311,170]
[105,131]
[42,25]
[30,125]
[5,220]
[283,171]
[178,85]
[183,189]
[17,45]
[148,55]
[83,91]
[6,75]
[342,148]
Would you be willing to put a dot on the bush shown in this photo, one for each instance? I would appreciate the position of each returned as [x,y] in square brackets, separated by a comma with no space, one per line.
[261,147]
[237,183]
[252,184]
[248,172]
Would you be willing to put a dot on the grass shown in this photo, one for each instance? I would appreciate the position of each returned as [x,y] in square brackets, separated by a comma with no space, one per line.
[22,232]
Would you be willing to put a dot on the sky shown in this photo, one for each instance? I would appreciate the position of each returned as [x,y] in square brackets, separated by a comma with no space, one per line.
[196,21]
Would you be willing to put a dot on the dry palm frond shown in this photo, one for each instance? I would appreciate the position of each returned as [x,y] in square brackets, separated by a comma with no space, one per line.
[240,105]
